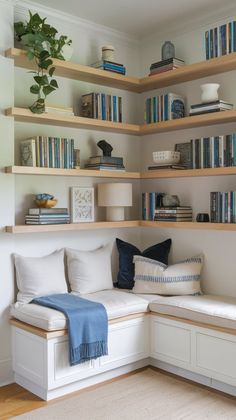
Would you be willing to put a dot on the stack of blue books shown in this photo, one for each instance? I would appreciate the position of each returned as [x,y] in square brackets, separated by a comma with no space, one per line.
[110,66]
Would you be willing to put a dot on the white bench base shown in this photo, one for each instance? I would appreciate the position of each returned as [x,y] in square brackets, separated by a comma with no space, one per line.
[194,351]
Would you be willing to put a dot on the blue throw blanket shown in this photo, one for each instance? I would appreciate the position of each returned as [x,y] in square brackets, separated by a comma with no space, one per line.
[87,325]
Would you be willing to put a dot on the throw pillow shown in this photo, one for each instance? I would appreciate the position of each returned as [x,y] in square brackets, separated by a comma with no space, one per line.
[89,271]
[182,278]
[39,276]
[158,252]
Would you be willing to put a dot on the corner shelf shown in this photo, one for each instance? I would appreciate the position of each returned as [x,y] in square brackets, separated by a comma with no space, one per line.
[189,225]
[29,170]
[89,74]
[79,72]
[187,173]
[25,115]
[71,227]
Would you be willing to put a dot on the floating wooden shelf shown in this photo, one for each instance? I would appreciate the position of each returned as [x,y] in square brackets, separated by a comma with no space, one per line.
[89,74]
[29,170]
[189,72]
[213,118]
[79,72]
[25,115]
[71,227]
[187,173]
[189,225]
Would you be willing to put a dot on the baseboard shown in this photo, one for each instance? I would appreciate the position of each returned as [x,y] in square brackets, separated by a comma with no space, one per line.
[195,377]
[6,372]
[84,383]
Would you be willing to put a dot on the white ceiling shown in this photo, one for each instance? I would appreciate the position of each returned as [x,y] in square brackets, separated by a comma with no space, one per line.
[140,17]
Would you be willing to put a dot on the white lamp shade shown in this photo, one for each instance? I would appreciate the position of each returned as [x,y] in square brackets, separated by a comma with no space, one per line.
[115,195]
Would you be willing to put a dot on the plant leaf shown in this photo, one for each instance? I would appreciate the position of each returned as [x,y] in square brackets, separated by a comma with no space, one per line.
[54,83]
[51,71]
[48,89]
[35,89]
[41,80]
[45,64]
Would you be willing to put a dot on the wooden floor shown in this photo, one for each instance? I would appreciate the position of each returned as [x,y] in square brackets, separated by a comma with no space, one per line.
[15,400]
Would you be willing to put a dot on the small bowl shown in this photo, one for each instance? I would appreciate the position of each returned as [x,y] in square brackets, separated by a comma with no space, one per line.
[46,204]
[167,157]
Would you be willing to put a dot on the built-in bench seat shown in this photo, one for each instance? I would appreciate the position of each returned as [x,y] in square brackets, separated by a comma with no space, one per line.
[192,336]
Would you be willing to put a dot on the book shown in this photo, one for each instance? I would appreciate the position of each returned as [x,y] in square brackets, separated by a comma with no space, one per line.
[47,216]
[101,62]
[210,103]
[172,60]
[211,107]
[42,211]
[157,167]
[102,106]
[106,167]
[209,111]
[164,108]
[106,160]
[50,222]
[174,219]
[28,152]
[185,154]
[59,110]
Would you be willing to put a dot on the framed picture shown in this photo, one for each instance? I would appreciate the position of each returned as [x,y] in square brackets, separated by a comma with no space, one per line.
[82,204]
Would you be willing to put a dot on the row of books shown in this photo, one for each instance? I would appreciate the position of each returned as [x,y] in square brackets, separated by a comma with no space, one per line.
[213,152]
[106,163]
[208,107]
[48,152]
[102,107]
[109,66]
[53,216]
[164,107]
[223,207]
[165,65]
[174,214]
[220,40]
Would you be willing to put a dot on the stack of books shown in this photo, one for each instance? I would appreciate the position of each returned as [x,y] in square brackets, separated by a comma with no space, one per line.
[164,108]
[208,107]
[58,109]
[167,166]
[109,66]
[48,152]
[53,216]
[106,163]
[102,107]
[165,65]
[223,207]
[213,152]
[220,40]
[150,201]
[174,214]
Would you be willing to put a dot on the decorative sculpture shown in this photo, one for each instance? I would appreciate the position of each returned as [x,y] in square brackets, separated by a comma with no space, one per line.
[105,147]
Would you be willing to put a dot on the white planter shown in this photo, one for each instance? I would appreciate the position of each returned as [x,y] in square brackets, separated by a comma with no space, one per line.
[209,92]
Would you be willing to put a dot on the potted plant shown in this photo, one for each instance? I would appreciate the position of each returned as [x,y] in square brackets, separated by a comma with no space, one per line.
[42,45]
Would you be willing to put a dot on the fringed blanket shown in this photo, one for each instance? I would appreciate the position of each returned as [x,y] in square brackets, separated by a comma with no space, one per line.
[87,325]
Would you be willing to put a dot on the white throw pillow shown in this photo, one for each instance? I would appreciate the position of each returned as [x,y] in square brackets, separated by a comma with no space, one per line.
[40,276]
[182,278]
[89,271]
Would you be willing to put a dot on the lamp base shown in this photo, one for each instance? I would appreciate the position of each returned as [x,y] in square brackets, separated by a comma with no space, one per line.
[114,214]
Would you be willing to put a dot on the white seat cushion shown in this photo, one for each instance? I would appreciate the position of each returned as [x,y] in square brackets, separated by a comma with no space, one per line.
[117,304]
[209,309]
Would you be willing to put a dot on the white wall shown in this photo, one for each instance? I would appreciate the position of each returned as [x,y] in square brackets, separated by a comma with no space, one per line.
[218,247]
[17,191]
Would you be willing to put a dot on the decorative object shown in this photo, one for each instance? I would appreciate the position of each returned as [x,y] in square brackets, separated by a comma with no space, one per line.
[167,50]
[76,155]
[185,154]
[203,217]
[108,53]
[105,147]
[82,204]
[115,197]
[170,200]
[158,252]
[89,271]
[39,39]
[45,200]
[209,92]
[157,278]
[167,157]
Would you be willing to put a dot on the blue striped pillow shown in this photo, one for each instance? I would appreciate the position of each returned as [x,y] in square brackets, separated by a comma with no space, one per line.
[154,277]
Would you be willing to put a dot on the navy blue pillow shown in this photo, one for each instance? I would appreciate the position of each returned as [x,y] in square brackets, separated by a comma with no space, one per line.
[158,252]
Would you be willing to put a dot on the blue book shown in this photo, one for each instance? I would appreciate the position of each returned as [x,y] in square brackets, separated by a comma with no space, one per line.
[211,44]
[103,106]
[207,45]
[234,36]
[114,104]
[154,109]
[215,42]
[223,39]
[166,110]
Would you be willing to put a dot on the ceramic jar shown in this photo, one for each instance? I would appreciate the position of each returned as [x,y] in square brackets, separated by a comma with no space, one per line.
[108,53]
[209,92]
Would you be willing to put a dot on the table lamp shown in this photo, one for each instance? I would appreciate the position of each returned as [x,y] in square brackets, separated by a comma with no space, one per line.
[115,197]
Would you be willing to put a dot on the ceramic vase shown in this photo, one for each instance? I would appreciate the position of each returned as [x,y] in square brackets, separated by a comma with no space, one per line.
[209,92]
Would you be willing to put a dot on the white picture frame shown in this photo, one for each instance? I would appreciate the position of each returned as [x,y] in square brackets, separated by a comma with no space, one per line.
[82,204]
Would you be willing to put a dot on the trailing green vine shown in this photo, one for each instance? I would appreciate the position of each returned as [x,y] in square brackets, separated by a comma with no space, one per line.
[42,45]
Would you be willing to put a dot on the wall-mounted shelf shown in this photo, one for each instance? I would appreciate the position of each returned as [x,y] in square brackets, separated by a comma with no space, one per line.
[189,225]
[79,72]
[71,227]
[29,170]
[187,173]
[25,115]
[89,74]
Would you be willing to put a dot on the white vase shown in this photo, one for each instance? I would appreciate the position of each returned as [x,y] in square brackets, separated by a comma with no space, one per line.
[209,92]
